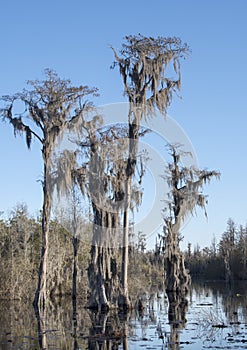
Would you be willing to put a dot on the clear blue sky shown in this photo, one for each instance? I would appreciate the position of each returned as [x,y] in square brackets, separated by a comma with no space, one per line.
[73,38]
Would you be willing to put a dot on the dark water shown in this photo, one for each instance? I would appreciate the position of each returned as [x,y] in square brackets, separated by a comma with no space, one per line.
[213,317]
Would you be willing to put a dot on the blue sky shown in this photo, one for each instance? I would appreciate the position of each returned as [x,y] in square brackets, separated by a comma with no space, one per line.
[73,38]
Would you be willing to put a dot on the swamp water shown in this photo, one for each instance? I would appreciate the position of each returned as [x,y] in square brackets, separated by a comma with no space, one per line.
[214,317]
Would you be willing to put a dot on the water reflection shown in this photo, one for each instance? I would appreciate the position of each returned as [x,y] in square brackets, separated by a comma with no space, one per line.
[178,306]
[108,331]
[42,329]
[211,315]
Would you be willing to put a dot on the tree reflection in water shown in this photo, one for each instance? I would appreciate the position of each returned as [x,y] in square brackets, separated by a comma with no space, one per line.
[178,306]
[108,331]
[74,321]
[88,330]
[42,329]
[161,322]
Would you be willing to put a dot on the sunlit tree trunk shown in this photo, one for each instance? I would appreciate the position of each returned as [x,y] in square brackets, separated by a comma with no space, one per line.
[76,227]
[41,292]
[124,301]
[134,126]
[75,243]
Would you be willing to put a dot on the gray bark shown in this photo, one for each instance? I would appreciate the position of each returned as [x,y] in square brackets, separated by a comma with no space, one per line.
[41,292]
[177,276]
[102,270]
[75,243]
[134,126]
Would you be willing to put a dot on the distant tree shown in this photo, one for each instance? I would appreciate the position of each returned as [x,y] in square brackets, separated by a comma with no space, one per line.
[51,106]
[242,246]
[227,246]
[197,250]
[19,245]
[213,247]
[189,250]
[141,241]
[19,222]
[185,195]
[3,231]
[143,63]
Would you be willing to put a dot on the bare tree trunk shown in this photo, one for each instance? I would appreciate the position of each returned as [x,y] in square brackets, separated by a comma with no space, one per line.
[125,256]
[124,301]
[184,274]
[41,292]
[74,295]
[75,243]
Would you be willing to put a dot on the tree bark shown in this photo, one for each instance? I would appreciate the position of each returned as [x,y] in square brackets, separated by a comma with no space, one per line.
[124,301]
[41,292]
[74,291]
[102,271]
[177,276]
[134,118]
[75,243]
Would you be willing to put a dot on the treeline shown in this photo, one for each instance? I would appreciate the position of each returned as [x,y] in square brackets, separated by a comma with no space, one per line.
[225,260]
[20,245]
